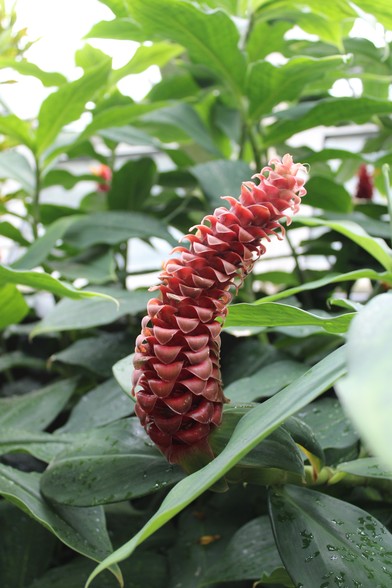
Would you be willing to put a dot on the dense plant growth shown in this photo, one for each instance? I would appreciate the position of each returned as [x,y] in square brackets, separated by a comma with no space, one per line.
[302,476]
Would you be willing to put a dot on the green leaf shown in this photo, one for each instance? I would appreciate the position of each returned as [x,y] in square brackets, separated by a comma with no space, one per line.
[43,446]
[268,85]
[9,231]
[368,467]
[16,128]
[22,540]
[365,391]
[112,227]
[82,529]
[131,185]
[377,248]
[184,117]
[250,431]
[36,410]
[83,314]
[273,314]
[250,555]
[96,354]
[65,179]
[67,104]
[96,470]
[95,265]
[265,38]
[15,359]
[122,371]
[196,30]
[221,178]
[330,111]
[131,136]
[13,306]
[103,405]
[48,78]
[90,57]
[15,166]
[324,541]
[265,382]
[326,194]
[158,54]
[380,9]
[123,29]
[42,281]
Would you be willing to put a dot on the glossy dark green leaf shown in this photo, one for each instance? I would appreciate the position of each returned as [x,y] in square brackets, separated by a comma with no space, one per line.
[250,555]
[325,542]
[91,312]
[326,194]
[96,353]
[272,314]
[221,178]
[36,410]
[305,437]
[97,265]
[113,463]
[102,405]
[13,165]
[15,359]
[13,306]
[365,392]
[67,104]
[250,431]
[122,371]
[131,185]
[82,529]
[368,467]
[113,227]
[22,540]
[43,446]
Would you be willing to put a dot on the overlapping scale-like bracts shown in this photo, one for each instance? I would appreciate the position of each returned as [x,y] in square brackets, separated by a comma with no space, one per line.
[176,380]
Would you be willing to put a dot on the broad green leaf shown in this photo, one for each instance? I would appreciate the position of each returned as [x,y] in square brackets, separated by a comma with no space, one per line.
[113,463]
[184,117]
[131,136]
[14,166]
[273,314]
[332,429]
[36,410]
[326,194]
[365,392]
[265,382]
[9,231]
[377,248]
[90,57]
[121,28]
[43,281]
[368,467]
[26,548]
[40,249]
[96,265]
[15,359]
[324,541]
[380,9]
[118,7]
[95,353]
[102,405]
[268,85]
[330,111]
[122,371]
[221,178]
[67,104]
[250,555]
[131,185]
[146,55]
[13,306]
[48,78]
[196,30]
[113,227]
[64,178]
[82,314]
[43,446]
[265,38]
[250,431]
[82,529]
[16,128]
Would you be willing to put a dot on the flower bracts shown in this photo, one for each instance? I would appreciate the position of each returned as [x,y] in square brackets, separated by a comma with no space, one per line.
[177,381]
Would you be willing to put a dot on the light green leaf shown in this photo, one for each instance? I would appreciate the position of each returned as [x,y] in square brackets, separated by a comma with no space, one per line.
[122,371]
[365,392]
[15,166]
[65,179]
[67,104]
[368,467]
[13,306]
[16,128]
[197,31]
[36,410]
[9,231]
[83,314]
[157,54]
[377,248]
[221,178]
[76,527]
[323,540]
[272,314]
[251,430]
[48,78]
[123,29]
[380,9]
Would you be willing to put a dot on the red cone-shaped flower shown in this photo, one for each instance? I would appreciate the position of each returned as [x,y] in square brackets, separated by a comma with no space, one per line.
[365,184]
[177,381]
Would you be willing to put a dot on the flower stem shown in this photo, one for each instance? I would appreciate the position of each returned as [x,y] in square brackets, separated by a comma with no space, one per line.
[35,205]
[385,173]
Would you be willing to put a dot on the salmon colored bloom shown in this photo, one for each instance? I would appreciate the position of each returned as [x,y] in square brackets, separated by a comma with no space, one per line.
[103,171]
[177,380]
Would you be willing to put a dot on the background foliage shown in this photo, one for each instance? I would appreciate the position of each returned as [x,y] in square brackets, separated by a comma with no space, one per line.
[309,483]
